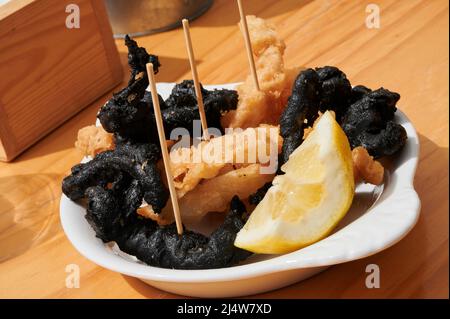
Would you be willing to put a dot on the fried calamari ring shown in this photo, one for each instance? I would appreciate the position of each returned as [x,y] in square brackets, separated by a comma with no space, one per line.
[182,108]
[336,91]
[366,116]
[128,164]
[369,122]
[107,214]
[162,246]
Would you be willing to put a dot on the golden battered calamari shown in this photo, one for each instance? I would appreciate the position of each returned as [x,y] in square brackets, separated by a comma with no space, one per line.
[189,165]
[365,168]
[264,106]
[93,139]
[212,195]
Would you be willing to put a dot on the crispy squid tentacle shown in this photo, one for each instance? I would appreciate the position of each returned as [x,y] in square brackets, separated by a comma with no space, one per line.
[138,59]
[129,113]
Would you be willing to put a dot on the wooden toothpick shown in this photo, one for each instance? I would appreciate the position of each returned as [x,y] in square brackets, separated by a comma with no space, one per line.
[164,151]
[248,44]
[198,91]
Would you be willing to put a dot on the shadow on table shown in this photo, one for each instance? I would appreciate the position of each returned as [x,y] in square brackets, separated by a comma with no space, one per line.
[28,212]
[148,291]
[64,136]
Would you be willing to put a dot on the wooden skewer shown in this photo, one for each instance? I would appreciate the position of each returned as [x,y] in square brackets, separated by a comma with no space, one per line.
[198,91]
[164,151]
[248,44]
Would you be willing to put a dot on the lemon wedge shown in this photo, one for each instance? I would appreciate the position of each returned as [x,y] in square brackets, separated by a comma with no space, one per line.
[306,203]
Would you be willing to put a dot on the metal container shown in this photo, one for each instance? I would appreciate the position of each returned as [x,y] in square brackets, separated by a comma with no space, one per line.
[139,17]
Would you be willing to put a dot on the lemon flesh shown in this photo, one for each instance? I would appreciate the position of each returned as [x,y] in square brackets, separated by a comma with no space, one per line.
[306,203]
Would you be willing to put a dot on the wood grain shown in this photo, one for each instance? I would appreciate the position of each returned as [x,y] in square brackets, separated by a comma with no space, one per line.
[50,72]
[408,54]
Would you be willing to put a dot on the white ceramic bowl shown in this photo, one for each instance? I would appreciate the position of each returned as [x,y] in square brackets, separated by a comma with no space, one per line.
[378,218]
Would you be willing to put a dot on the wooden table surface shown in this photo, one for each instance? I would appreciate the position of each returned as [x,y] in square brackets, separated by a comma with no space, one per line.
[407,54]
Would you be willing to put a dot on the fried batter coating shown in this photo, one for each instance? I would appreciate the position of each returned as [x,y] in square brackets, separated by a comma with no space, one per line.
[163,247]
[369,123]
[263,35]
[93,139]
[365,168]
[264,106]
[218,190]
[189,167]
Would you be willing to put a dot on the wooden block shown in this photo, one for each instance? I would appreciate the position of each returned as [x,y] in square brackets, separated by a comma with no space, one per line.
[49,72]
